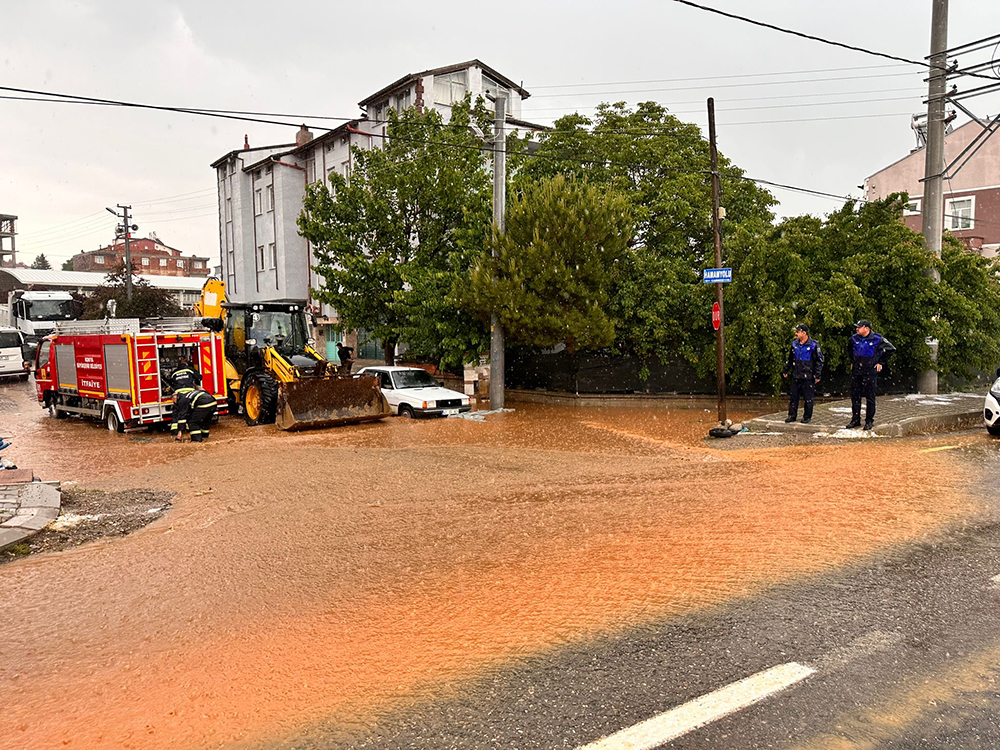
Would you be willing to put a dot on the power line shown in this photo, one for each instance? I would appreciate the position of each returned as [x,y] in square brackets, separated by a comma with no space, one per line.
[725,85]
[823,40]
[712,78]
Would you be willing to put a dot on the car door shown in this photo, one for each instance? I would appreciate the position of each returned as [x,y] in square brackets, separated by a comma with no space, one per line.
[391,394]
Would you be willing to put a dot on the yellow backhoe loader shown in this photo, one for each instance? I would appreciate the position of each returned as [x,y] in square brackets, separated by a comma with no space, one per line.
[273,374]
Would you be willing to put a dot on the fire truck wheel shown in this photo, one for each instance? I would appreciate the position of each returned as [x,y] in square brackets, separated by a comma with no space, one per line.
[260,399]
[54,412]
[114,424]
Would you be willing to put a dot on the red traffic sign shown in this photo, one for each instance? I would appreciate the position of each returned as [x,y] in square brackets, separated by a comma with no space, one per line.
[716,316]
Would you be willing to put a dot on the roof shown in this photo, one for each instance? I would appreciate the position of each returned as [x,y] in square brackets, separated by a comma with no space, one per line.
[94,279]
[229,155]
[919,150]
[346,128]
[495,75]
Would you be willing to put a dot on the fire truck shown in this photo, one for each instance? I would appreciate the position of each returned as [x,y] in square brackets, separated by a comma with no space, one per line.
[117,370]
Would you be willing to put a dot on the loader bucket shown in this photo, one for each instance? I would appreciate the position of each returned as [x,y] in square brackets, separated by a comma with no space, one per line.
[326,402]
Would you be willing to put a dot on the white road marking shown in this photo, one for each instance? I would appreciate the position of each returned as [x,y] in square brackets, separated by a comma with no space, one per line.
[704,710]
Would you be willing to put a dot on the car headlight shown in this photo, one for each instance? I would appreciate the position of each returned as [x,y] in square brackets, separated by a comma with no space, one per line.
[995,389]
[465,402]
[429,404]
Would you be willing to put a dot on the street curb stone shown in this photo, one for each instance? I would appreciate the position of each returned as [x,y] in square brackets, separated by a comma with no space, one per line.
[38,505]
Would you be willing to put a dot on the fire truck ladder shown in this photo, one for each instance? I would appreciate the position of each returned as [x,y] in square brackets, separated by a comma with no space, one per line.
[108,326]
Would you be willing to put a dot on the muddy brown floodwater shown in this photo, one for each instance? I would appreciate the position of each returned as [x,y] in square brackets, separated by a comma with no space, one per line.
[333,575]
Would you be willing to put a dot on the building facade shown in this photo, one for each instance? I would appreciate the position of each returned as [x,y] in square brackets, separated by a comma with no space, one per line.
[971,197]
[149,256]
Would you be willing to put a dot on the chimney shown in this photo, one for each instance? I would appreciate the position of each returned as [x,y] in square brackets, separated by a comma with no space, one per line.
[303,136]
[246,142]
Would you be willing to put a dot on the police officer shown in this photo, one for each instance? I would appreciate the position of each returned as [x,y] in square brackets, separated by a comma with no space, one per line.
[866,353]
[805,365]
[193,411]
[184,376]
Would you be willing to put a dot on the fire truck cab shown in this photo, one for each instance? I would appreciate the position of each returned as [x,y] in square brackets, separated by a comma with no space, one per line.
[117,370]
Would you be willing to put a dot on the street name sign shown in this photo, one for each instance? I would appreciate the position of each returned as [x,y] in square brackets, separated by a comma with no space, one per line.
[717,276]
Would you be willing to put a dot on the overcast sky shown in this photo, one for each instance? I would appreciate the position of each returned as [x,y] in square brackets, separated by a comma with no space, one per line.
[61,164]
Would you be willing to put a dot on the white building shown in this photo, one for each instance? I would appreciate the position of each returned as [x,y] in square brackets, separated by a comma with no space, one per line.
[261,190]
[185,289]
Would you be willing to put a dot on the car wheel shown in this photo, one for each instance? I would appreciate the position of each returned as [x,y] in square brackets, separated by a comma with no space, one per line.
[23,376]
[260,399]
[113,423]
[994,430]
[406,411]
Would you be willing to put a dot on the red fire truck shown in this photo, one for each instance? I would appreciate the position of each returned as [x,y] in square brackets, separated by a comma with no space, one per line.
[117,370]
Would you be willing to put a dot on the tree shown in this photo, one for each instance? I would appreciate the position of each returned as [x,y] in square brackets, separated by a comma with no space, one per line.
[147,301]
[661,165]
[41,263]
[391,240]
[550,280]
[67,265]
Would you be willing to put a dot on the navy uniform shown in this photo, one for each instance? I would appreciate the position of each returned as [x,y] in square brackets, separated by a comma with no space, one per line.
[193,411]
[805,365]
[184,376]
[866,354]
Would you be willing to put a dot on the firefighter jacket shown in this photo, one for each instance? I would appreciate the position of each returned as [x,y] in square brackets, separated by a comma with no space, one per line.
[867,351]
[188,401]
[184,377]
[805,361]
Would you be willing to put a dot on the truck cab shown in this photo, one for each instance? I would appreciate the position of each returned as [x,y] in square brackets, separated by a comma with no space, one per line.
[35,314]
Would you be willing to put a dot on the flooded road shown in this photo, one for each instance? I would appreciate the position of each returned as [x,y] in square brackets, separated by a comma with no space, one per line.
[331,576]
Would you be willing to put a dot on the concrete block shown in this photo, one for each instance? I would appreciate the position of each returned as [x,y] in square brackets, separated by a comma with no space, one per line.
[9,537]
[16,476]
[34,519]
[39,495]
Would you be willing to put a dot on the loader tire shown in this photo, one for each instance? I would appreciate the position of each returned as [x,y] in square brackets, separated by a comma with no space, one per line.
[260,399]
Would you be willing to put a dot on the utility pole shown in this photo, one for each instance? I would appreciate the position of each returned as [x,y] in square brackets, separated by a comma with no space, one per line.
[125,230]
[933,200]
[720,335]
[499,213]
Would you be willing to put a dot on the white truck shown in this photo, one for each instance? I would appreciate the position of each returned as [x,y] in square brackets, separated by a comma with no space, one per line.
[35,314]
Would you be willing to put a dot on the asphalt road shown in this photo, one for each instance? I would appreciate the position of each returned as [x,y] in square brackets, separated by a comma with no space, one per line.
[903,652]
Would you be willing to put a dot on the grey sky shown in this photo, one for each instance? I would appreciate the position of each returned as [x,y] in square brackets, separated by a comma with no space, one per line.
[62,163]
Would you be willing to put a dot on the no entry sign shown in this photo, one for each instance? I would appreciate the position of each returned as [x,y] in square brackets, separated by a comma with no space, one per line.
[716,316]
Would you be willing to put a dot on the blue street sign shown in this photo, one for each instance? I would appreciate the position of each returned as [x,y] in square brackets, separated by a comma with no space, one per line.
[717,276]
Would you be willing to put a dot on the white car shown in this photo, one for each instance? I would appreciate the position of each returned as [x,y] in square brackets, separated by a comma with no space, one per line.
[12,362]
[412,392]
[991,410]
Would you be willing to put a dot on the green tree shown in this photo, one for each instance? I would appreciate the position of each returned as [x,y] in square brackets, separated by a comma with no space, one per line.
[662,167]
[147,301]
[391,241]
[67,265]
[41,263]
[550,280]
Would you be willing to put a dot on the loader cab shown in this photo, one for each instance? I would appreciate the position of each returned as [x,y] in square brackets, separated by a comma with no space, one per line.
[252,328]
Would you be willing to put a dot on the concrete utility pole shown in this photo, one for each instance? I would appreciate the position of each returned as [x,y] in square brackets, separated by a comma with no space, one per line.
[720,335]
[933,200]
[499,212]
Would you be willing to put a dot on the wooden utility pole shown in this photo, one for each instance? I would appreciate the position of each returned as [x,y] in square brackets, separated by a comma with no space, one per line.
[499,213]
[932,219]
[720,333]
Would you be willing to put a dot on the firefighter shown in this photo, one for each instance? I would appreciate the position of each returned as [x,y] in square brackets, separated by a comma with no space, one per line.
[805,365]
[184,376]
[193,411]
[866,354]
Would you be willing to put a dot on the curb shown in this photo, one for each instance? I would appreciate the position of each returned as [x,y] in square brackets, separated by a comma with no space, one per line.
[910,426]
[38,505]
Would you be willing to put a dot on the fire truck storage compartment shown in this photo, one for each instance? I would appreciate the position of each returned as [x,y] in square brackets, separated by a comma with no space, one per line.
[116,368]
[66,365]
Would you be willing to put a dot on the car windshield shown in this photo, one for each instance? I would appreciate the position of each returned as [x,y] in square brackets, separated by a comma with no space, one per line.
[413,379]
[285,331]
[50,309]
[9,340]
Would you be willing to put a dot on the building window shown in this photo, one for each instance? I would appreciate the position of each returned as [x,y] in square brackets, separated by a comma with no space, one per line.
[380,112]
[345,169]
[145,261]
[403,101]
[273,252]
[960,213]
[270,197]
[493,88]
[451,87]
[99,260]
[260,257]
[229,209]
[163,262]
[197,264]
[311,170]
[257,202]
[180,264]
[912,208]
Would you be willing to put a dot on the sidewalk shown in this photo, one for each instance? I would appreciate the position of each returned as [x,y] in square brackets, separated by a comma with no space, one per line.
[895,416]
[26,507]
